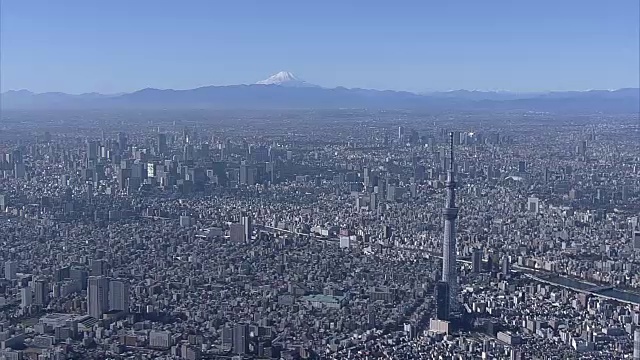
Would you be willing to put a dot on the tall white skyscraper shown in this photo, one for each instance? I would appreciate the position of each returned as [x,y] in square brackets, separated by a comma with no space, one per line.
[97,296]
[119,295]
[10,270]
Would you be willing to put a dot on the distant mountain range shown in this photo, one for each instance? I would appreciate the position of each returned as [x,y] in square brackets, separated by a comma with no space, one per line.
[286,91]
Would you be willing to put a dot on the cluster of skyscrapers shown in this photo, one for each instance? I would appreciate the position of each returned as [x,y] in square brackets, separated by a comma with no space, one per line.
[105,294]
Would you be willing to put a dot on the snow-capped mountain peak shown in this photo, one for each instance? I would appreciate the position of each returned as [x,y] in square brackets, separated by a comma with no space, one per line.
[285,78]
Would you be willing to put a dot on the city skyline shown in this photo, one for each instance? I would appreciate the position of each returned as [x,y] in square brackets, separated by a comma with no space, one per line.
[529,48]
[208,239]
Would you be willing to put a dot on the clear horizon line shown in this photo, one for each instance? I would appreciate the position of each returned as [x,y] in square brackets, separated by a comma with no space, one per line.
[417,92]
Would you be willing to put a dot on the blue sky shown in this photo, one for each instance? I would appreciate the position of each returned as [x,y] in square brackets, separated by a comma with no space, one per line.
[123,45]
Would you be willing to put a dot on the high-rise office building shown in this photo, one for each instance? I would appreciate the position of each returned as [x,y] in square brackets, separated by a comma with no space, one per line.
[92,150]
[123,177]
[162,144]
[258,154]
[247,227]
[10,270]
[41,292]
[186,138]
[522,167]
[204,151]
[506,266]
[533,205]
[119,295]
[137,171]
[122,141]
[188,152]
[272,171]
[248,174]
[98,267]
[79,275]
[450,213]
[373,201]
[97,296]
[227,338]
[476,261]
[581,148]
[241,339]
[386,232]
[19,170]
[160,339]
[636,240]
[25,297]
[236,232]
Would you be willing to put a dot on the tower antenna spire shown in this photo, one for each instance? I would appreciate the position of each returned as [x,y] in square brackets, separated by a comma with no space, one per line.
[451,151]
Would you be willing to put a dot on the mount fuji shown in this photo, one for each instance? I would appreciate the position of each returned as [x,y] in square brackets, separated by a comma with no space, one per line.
[285,78]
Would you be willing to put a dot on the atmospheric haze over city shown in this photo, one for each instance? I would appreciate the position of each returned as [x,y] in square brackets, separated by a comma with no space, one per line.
[319,180]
